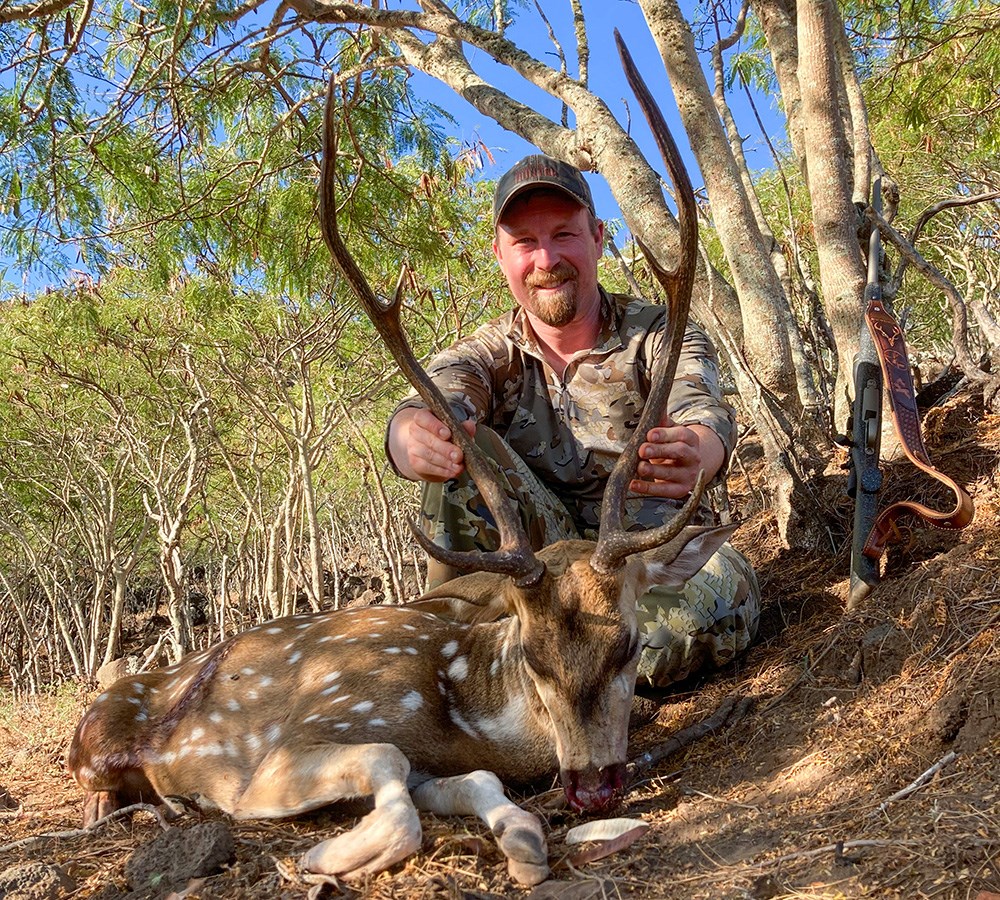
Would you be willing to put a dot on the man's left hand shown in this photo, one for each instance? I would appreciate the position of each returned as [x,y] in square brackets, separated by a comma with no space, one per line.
[672,457]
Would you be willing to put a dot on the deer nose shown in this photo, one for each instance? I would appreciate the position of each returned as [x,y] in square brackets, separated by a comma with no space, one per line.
[593,789]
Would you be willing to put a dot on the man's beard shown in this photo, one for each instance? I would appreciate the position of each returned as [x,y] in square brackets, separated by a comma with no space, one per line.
[555,308]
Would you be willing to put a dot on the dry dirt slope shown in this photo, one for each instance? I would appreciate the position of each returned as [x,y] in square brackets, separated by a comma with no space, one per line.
[790,801]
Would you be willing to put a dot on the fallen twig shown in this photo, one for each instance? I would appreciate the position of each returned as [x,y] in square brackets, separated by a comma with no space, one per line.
[921,780]
[838,848]
[80,832]
[730,710]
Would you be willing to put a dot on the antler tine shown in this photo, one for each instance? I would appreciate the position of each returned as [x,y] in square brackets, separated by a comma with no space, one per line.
[614,543]
[515,557]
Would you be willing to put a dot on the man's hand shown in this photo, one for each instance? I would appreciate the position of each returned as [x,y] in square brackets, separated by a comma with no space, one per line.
[672,457]
[420,445]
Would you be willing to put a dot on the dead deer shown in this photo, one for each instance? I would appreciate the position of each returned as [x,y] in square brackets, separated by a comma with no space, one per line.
[413,709]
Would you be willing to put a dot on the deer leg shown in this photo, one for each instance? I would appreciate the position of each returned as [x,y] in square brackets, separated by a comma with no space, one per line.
[480,793]
[292,781]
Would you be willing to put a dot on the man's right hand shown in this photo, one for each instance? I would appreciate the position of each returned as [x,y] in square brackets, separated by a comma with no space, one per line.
[421,447]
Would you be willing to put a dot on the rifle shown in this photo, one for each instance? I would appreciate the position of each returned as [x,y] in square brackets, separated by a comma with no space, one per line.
[882,361]
[865,429]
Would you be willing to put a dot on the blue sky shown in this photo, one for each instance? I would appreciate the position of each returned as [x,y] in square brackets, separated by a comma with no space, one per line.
[606,80]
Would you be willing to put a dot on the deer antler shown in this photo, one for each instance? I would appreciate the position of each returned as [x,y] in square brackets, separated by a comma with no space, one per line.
[614,544]
[515,557]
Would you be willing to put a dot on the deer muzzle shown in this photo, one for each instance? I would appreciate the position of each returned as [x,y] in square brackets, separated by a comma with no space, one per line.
[593,790]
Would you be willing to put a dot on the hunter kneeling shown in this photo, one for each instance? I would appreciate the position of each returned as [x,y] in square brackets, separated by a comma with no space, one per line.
[552,391]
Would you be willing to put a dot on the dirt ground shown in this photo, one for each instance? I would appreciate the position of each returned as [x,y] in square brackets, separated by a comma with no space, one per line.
[794,799]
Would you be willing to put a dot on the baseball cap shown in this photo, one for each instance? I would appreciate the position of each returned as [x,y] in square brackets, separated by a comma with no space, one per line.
[541,171]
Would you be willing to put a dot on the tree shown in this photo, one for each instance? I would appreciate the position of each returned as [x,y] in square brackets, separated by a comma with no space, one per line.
[223,69]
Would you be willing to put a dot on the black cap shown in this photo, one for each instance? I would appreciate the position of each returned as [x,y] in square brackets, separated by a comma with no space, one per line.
[541,171]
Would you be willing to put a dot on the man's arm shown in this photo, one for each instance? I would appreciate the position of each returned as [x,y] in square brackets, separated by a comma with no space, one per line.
[699,430]
[419,445]
[672,457]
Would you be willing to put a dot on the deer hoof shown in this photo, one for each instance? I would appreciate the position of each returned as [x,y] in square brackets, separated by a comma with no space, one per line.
[522,841]
[527,874]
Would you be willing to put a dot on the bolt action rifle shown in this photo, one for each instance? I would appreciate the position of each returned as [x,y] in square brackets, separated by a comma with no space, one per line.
[881,362]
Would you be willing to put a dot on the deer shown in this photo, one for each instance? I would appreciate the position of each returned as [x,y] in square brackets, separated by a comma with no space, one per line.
[404,704]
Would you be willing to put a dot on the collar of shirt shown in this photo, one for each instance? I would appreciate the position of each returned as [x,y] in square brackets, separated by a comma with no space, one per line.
[609,340]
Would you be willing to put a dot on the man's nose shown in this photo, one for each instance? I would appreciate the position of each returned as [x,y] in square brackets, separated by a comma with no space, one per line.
[546,255]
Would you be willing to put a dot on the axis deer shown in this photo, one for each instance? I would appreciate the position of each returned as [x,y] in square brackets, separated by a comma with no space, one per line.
[401,704]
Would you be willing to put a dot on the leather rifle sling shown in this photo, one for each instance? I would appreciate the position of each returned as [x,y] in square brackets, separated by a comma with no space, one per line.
[891,348]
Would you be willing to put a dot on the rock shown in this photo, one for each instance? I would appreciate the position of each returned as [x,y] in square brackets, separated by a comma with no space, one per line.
[175,857]
[111,672]
[35,881]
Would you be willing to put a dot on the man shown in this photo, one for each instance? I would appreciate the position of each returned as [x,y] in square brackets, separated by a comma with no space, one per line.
[551,391]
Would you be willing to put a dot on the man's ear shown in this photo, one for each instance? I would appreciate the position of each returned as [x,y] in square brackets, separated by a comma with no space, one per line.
[678,560]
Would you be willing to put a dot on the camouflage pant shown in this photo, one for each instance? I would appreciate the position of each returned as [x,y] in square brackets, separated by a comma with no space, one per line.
[707,623]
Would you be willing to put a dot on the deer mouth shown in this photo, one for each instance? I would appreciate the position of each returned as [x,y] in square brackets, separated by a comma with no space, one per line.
[593,790]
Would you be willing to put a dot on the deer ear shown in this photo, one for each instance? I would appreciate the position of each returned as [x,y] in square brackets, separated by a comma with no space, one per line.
[477,597]
[676,561]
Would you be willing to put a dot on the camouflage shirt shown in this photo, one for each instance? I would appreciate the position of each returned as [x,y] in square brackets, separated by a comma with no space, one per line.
[570,427]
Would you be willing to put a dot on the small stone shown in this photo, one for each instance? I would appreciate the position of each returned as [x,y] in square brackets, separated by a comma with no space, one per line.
[180,854]
[35,881]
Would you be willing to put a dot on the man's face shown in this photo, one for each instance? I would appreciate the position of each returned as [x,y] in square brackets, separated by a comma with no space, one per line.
[548,252]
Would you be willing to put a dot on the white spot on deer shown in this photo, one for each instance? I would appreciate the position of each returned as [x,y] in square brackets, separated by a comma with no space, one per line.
[234,705]
[253,695]
[252,742]
[342,726]
[265,681]
[216,718]
[411,650]
[449,649]
[167,758]
[295,657]
[313,718]
[273,733]
[459,669]
[409,627]
[197,734]
[291,644]
[457,718]
[392,650]
[331,676]
[495,667]
[141,716]
[103,698]
[412,701]
[332,689]
[230,749]
[209,750]
[352,640]
[247,670]
[274,631]
[304,625]
[507,725]
[362,707]
[442,690]
[135,700]
[375,634]
[341,699]
[139,687]
[424,637]
[377,723]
